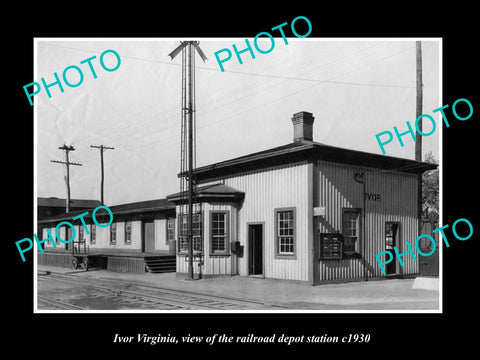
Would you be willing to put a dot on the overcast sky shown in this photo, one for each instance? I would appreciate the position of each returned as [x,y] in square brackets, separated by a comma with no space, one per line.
[355,89]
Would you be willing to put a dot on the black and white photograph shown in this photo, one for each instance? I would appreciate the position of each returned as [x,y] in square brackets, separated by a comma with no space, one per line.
[286,185]
[290,195]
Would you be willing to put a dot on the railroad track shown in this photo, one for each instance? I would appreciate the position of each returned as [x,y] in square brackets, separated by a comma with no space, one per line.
[57,304]
[157,298]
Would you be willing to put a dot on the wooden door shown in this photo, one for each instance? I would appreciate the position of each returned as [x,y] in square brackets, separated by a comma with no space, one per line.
[148,240]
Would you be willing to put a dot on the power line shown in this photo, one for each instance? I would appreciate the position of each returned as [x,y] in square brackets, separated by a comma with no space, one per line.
[277,99]
[120,130]
[248,73]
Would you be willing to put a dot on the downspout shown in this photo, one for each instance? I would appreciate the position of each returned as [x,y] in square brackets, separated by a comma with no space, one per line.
[359,178]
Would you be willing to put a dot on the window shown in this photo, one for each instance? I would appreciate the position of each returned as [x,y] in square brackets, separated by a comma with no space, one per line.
[57,234]
[218,232]
[113,233]
[183,231]
[285,231]
[390,235]
[128,233]
[196,232]
[170,230]
[350,230]
[93,234]
[81,234]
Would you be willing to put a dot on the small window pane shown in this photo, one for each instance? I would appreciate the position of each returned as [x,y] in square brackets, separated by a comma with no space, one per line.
[113,233]
[93,234]
[285,232]
[128,232]
[219,232]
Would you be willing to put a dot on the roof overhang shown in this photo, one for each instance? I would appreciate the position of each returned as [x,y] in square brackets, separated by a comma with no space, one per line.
[137,209]
[209,193]
[308,151]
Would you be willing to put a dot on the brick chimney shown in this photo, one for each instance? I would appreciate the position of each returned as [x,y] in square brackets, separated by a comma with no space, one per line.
[303,126]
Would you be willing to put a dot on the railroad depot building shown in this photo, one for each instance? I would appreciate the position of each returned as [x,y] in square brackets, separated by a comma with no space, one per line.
[301,212]
[305,211]
[140,238]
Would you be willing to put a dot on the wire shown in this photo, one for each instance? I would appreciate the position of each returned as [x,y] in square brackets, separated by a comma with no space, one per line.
[282,97]
[318,82]
[121,130]
[245,73]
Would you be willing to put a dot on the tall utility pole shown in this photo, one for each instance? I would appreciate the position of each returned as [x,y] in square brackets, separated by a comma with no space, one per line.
[102,149]
[67,164]
[418,142]
[188,155]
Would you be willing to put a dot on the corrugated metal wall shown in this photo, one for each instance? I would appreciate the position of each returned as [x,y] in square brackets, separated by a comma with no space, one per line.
[265,191]
[398,199]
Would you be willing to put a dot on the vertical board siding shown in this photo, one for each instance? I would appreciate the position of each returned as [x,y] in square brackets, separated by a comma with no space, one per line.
[126,264]
[161,234]
[266,191]
[398,192]
[59,259]
[218,264]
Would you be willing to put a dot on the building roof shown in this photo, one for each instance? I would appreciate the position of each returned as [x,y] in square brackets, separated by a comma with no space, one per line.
[74,203]
[122,209]
[212,191]
[143,206]
[305,150]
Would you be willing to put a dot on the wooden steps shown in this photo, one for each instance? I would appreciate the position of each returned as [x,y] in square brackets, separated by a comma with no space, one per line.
[160,264]
[118,262]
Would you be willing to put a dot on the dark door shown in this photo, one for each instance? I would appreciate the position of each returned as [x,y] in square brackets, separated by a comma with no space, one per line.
[391,234]
[148,241]
[429,265]
[255,249]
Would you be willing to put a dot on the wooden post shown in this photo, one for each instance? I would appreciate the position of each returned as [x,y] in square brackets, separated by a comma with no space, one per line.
[67,181]
[418,142]
[102,149]
[67,163]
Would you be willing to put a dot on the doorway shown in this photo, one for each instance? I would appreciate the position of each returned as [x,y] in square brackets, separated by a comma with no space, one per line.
[391,240]
[255,249]
[148,238]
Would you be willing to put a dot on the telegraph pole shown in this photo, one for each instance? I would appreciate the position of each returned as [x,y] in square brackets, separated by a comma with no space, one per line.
[418,142]
[102,149]
[67,164]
